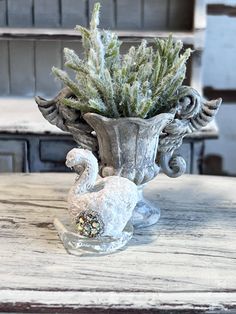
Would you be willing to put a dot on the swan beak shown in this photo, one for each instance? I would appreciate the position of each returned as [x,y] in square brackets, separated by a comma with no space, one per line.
[68,164]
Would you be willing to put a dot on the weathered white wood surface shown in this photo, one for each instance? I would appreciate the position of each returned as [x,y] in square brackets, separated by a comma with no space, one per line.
[21,115]
[185,262]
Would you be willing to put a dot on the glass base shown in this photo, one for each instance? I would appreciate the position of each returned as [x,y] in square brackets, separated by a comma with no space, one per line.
[145,213]
[78,245]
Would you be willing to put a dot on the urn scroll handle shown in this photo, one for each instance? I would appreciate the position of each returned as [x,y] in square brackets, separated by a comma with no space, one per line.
[192,114]
[68,119]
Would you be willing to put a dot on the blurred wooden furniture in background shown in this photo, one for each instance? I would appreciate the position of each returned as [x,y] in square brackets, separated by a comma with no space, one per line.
[43,147]
[183,264]
[32,36]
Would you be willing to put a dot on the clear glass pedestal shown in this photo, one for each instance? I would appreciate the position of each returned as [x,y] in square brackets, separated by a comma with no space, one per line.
[78,245]
[145,213]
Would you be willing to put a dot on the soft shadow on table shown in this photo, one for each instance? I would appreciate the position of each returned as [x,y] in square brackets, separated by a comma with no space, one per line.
[189,206]
[144,236]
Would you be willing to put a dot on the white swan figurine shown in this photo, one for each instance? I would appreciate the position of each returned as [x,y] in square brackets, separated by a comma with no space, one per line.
[98,207]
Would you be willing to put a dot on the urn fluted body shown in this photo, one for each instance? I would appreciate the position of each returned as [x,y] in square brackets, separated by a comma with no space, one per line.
[128,146]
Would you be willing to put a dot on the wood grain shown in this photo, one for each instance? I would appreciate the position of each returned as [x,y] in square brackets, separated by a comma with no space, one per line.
[184,263]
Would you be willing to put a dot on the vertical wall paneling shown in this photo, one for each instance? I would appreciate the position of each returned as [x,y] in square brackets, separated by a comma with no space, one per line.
[74,13]
[47,54]
[4,68]
[20,13]
[22,76]
[107,17]
[2,13]
[155,14]
[47,13]
[129,14]
[180,14]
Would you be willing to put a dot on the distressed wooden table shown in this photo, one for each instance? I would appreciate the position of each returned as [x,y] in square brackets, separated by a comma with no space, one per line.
[184,264]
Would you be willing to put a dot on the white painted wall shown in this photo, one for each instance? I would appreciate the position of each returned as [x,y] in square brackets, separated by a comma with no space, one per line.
[219,61]
[227,2]
[219,71]
[225,145]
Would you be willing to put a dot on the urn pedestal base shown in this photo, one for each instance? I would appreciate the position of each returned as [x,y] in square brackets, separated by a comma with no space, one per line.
[145,213]
[83,246]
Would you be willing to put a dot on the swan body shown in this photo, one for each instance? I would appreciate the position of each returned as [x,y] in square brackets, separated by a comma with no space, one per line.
[98,207]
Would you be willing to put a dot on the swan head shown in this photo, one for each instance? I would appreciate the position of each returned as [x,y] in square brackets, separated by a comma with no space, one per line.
[79,156]
[85,165]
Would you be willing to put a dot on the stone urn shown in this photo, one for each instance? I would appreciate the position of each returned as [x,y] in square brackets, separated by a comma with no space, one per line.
[135,148]
[128,148]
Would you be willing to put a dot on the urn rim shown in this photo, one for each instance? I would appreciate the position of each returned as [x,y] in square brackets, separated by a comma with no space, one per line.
[166,115]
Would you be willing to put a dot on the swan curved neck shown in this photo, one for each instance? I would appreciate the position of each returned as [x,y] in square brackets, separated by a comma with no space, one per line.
[86,179]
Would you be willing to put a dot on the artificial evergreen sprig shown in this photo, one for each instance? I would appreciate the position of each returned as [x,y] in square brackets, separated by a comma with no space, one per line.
[142,83]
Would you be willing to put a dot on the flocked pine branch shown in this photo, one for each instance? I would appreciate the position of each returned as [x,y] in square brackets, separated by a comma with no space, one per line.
[142,83]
